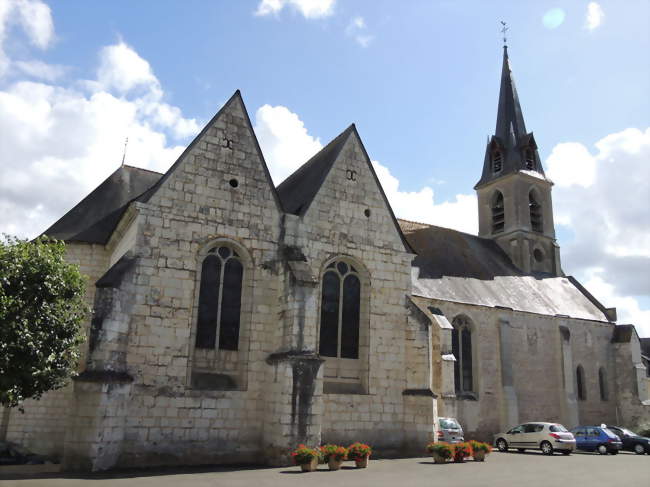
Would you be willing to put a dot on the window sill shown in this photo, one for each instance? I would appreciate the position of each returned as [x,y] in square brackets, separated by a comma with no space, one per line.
[466,396]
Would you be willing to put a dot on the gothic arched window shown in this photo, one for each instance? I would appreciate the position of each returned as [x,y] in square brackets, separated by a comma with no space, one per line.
[497,160]
[498,213]
[529,156]
[536,220]
[220,300]
[602,382]
[340,311]
[580,383]
[461,345]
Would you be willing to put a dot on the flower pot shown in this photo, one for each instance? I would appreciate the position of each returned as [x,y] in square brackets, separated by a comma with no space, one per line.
[459,459]
[479,456]
[333,463]
[311,466]
[438,459]
[362,462]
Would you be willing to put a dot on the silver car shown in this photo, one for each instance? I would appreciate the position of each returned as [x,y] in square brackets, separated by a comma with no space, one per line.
[449,430]
[548,437]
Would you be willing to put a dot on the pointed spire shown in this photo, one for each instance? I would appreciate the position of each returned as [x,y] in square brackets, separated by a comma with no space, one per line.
[509,115]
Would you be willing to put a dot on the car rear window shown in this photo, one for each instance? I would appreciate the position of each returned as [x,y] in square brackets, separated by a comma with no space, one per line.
[557,428]
[449,424]
[610,433]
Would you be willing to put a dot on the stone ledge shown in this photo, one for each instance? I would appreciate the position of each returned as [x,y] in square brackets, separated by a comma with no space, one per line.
[419,392]
[104,376]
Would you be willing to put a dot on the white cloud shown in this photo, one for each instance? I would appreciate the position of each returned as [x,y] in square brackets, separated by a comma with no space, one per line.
[358,30]
[284,140]
[121,68]
[595,16]
[603,198]
[60,142]
[310,9]
[40,70]
[33,16]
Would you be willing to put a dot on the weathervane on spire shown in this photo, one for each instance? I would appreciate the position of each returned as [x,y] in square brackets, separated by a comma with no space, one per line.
[504,29]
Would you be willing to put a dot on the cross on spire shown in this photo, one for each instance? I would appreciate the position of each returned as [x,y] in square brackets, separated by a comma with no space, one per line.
[504,29]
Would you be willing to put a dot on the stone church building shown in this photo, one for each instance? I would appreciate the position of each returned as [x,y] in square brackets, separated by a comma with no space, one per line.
[234,319]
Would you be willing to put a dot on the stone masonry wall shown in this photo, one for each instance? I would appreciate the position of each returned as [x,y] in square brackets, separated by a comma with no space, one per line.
[534,362]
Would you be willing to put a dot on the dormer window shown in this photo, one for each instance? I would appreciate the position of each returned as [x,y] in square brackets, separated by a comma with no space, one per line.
[529,156]
[497,161]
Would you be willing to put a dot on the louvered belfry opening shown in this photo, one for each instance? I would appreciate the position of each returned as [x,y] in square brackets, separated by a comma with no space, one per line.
[498,213]
[535,208]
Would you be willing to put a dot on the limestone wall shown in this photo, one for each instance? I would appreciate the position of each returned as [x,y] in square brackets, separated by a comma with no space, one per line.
[519,370]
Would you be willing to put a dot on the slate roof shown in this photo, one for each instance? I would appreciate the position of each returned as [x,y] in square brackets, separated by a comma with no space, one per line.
[510,135]
[95,217]
[455,266]
[298,190]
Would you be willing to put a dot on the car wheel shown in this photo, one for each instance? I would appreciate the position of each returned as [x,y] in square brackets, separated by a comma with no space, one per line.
[614,452]
[521,450]
[602,449]
[547,448]
[502,445]
[639,449]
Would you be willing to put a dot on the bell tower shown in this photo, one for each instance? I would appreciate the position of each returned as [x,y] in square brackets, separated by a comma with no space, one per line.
[514,194]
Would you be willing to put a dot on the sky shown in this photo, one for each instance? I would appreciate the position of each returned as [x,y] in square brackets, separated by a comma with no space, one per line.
[419,78]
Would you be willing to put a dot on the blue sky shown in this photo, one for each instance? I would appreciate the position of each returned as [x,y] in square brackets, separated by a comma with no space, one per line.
[419,78]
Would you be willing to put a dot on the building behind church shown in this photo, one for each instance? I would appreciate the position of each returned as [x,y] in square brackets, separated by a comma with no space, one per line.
[233,320]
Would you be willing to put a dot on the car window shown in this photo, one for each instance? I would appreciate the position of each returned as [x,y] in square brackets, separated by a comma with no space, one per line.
[577,432]
[448,424]
[609,432]
[529,428]
[593,432]
[517,429]
[557,428]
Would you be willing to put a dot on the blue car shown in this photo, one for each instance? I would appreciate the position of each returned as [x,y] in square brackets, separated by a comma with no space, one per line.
[597,438]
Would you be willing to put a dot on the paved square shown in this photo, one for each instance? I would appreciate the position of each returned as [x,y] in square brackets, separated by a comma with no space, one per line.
[511,469]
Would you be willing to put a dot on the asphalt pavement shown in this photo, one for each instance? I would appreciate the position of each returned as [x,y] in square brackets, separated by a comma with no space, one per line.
[529,469]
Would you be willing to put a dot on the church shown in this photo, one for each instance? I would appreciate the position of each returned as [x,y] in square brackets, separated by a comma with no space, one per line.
[233,320]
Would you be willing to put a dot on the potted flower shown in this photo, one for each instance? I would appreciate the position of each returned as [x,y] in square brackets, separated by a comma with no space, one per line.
[440,451]
[359,452]
[334,455]
[460,452]
[479,450]
[306,457]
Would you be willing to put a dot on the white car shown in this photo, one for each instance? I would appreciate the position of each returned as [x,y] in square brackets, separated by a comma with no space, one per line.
[548,437]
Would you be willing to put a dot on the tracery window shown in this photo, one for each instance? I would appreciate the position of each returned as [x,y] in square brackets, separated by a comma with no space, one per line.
[498,213]
[602,382]
[220,300]
[580,383]
[536,220]
[340,311]
[461,344]
[497,161]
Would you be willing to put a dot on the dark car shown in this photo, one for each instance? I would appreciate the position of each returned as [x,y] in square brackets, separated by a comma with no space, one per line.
[13,454]
[597,438]
[632,441]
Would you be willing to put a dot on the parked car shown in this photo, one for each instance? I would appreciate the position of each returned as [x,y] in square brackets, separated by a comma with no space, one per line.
[597,438]
[449,430]
[548,437]
[14,454]
[632,441]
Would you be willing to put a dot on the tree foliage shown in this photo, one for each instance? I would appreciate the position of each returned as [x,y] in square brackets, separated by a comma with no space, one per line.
[41,311]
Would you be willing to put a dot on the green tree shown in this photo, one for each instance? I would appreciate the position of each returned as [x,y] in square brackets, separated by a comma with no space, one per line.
[41,311]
